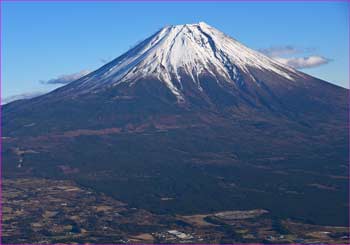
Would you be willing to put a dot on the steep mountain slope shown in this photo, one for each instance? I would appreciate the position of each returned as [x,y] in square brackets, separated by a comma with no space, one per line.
[189,49]
[191,113]
[182,68]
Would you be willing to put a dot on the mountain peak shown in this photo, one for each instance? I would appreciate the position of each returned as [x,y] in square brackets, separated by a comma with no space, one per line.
[189,50]
[201,23]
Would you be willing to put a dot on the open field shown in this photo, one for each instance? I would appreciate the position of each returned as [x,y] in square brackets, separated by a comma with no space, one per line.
[37,210]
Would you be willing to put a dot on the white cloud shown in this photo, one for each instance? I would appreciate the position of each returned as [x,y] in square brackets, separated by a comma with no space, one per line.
[303,62]
[286,55]
[67,78]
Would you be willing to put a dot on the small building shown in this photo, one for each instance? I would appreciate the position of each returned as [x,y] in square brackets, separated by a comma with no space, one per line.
[180,234]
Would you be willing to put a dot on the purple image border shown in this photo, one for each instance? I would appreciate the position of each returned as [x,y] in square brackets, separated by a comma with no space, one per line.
[164,1]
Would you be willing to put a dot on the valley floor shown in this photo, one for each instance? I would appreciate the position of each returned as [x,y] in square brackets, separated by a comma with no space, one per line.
[37,210]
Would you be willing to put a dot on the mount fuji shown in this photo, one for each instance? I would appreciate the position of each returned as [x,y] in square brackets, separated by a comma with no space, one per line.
[190,106]
[192,67]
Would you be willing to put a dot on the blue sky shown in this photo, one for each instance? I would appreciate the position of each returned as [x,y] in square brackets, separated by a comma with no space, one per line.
[45,44]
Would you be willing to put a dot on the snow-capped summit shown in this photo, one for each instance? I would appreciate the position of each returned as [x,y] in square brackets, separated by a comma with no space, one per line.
[190,50]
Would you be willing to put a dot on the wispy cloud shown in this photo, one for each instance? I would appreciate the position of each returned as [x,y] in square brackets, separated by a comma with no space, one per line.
[60,80]
[67,78]
[22,96]
[304,62]
[288,55]
[280,51]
